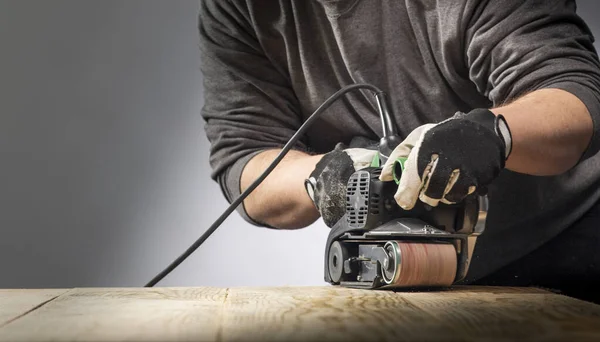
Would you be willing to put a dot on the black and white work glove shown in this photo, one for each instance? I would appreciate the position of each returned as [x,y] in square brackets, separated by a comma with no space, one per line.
[327,183]
[450,160]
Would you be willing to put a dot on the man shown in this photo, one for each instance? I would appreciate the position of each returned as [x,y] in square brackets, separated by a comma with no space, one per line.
[525,73]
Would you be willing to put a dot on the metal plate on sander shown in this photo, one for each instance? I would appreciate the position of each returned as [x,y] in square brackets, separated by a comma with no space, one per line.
[407,226]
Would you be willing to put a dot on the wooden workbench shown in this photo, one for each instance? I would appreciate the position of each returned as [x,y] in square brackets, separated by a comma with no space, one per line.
[294,314]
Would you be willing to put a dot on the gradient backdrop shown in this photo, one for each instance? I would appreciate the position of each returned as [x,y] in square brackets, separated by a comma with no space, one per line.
[104,174]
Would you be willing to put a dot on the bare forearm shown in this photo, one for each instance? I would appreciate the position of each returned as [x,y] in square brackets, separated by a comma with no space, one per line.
[550,129]
[280,200]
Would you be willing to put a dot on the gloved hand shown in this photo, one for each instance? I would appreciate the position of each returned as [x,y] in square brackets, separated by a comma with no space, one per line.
[450,160]
[327,183]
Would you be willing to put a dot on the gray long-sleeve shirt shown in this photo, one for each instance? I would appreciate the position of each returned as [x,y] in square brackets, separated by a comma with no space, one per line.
[267,65]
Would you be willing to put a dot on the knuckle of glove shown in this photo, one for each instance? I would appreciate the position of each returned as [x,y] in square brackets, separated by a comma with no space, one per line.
[331,174]
[469,156]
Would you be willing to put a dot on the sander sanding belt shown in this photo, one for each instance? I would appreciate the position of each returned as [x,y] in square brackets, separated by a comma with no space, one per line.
[424,264]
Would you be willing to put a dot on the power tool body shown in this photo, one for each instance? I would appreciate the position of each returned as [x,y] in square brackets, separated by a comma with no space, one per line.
[377,244]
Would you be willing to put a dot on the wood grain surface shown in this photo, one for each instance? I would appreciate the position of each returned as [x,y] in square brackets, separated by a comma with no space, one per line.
[18,302]
[191,314]
[325,313]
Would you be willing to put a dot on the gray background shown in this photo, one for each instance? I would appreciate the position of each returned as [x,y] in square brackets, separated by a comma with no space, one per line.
[104,175]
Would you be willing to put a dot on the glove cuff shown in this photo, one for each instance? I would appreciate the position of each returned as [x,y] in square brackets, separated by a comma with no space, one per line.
[495,123]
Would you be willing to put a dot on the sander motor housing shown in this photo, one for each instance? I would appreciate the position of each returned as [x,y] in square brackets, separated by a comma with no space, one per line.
[366,248]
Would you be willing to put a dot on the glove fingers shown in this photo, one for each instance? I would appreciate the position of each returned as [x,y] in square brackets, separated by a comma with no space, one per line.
[435,183]
[361,157]
[447,186]
[462,186]
[403,150]
[410,183]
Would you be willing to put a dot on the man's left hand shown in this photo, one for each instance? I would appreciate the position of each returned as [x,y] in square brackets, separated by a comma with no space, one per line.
[450,160]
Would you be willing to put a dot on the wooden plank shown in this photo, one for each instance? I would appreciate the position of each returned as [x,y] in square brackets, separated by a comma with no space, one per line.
[462,313]
[326,313]
[122,314]
[17,302]
[516,316]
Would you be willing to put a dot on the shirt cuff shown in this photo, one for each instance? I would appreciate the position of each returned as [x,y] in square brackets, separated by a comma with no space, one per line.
[229,182]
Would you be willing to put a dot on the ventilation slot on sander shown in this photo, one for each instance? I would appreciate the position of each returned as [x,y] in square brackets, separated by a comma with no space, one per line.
[357,199]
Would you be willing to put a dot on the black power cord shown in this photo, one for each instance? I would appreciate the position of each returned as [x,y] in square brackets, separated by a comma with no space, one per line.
[382,107]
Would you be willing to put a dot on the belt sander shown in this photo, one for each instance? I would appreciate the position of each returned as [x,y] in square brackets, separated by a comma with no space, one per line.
[377,244]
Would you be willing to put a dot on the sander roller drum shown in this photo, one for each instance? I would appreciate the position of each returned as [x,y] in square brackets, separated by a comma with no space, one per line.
[412,264]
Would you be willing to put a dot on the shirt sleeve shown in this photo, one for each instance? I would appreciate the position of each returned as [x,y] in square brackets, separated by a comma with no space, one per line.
[516,47]
[249,105]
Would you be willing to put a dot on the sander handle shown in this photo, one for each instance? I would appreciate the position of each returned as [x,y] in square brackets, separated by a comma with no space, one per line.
[396,170]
